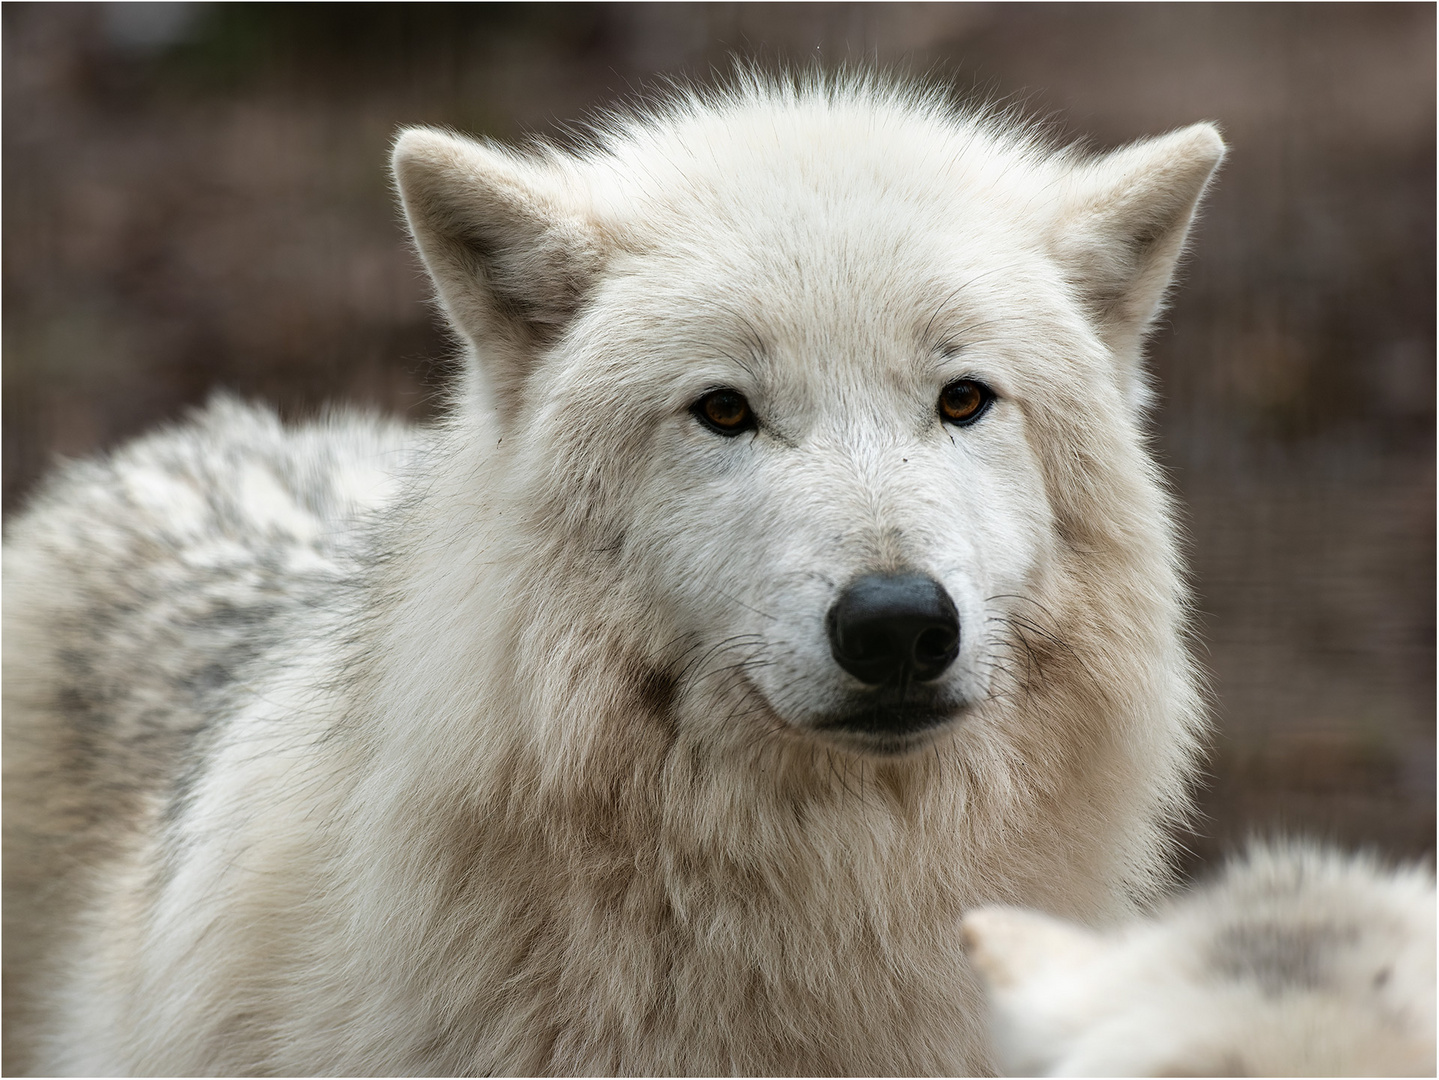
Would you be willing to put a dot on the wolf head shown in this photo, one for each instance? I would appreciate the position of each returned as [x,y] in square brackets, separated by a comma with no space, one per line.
[822,403]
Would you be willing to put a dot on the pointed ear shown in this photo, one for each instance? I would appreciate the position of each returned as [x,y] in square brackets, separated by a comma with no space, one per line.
[507,240]
[1121,228]
[1010,945]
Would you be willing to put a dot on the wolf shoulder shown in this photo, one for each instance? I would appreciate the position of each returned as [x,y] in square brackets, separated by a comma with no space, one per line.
[182,555]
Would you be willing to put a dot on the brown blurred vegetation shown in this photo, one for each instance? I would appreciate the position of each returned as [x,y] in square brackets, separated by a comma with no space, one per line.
[195,196]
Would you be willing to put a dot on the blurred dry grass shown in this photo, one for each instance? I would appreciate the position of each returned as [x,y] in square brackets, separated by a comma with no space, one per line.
[195,196]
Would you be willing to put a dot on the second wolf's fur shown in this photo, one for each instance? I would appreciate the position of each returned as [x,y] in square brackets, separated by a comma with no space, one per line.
[522,744]
[1296,962]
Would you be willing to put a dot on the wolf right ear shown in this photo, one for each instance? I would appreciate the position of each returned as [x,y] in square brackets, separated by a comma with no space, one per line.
[507,240]
[1122,223]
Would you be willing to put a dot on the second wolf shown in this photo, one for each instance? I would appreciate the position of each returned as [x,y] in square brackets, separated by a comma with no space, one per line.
[789,576]
[1295,962]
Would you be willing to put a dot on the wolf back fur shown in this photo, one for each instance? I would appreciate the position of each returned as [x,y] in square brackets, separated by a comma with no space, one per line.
[1297,961]
[514,745]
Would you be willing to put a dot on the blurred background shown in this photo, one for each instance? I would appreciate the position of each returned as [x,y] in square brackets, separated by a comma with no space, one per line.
[195,196]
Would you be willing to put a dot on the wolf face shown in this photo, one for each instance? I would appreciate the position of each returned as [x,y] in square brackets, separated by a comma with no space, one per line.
[810,411]
[837,466]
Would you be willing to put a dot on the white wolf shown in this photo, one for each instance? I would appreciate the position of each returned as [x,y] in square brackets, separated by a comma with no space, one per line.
[789,576]
[1296,962]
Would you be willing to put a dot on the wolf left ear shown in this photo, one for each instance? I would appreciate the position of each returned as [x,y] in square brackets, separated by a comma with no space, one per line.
[508,242]
[1121,227]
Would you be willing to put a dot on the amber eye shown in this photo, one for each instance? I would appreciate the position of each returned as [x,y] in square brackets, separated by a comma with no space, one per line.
[724,411]
[963,401]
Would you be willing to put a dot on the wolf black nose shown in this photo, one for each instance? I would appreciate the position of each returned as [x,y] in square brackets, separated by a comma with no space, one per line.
[893,627]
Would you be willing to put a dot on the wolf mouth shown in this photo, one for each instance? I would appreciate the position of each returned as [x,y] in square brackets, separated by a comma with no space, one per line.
[889,729]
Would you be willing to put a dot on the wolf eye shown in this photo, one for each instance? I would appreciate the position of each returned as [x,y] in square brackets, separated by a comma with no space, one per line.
[724,411]
[964,401]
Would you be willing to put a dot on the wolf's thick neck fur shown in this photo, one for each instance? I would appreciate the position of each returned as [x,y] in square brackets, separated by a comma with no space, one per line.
[754,902]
